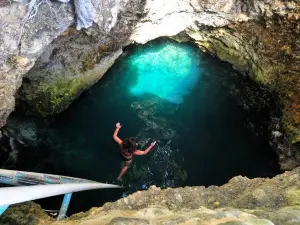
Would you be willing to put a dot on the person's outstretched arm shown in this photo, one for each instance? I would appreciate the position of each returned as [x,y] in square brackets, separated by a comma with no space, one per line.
[139,152]
[115,136]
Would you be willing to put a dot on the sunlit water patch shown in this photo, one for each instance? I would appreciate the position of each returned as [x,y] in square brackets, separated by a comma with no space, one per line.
[208,123]
[169,72]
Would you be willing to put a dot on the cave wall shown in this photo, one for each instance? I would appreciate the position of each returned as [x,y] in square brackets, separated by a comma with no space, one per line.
[17,58]
[75,60]
[259,38]
[271,58]
[21,44]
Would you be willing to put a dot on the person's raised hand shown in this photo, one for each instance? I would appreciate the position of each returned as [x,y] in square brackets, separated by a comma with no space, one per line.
[153,143]
[118,125]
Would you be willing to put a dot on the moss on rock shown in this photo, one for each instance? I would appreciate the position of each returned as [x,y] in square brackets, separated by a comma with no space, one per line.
[50,95]
[53,98]
[293,197]
[25,214]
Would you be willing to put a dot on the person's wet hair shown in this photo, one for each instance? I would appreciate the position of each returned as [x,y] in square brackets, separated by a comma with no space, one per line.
[129,144]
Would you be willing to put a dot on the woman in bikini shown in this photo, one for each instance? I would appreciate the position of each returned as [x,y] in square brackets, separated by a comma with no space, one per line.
[127,150]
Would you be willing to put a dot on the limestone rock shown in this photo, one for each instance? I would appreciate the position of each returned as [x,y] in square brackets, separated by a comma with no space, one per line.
[16,60]
[201,216]
[242,201]
[239,192]
[24,214]
[128,221]
[76,60]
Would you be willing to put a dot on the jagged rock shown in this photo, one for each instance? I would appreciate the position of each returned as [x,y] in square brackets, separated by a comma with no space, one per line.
[241,201]
[25,214]
[239,192]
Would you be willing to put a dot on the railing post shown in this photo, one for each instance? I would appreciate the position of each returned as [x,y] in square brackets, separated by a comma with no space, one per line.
[3,208]
[64,206]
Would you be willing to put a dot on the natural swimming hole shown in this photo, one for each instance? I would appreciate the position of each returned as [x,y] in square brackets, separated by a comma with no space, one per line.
[209,123]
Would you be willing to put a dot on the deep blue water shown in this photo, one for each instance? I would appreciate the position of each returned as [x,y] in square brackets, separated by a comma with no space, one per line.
[192,104]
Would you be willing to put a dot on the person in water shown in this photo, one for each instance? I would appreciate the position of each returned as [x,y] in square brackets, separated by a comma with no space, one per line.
[128,150]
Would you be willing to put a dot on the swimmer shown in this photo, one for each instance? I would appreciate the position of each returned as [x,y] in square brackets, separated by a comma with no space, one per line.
[127,150]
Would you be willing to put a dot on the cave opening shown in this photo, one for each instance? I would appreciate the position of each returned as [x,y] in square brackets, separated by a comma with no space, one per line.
[210,123]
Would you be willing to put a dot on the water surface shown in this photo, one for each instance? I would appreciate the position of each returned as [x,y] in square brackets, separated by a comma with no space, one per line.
[189,102]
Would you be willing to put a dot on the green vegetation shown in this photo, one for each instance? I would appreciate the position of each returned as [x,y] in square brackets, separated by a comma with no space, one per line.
[50,99]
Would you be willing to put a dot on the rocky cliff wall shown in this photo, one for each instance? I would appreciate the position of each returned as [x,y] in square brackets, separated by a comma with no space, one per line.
[16,58]
[241,201]
[23,39]
[75,60]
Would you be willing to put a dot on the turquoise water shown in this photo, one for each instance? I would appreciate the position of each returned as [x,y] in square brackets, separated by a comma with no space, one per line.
[168,71]
[209,123]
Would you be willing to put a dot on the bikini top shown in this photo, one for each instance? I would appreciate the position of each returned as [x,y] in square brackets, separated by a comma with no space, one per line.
[126,153]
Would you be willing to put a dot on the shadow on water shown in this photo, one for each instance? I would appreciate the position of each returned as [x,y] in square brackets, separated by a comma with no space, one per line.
[210,124]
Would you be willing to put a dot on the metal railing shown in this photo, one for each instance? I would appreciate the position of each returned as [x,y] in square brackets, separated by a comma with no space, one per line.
[39,185]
